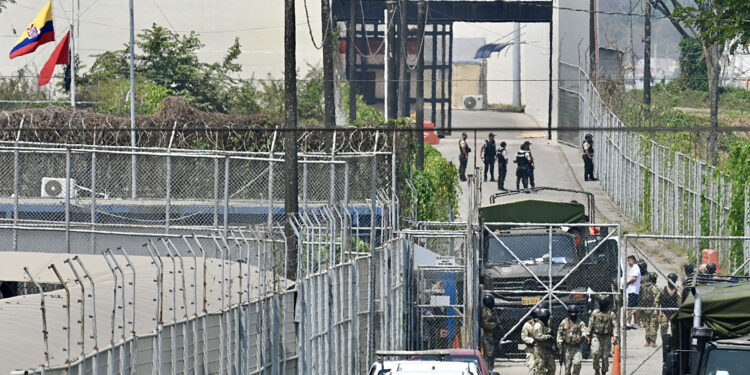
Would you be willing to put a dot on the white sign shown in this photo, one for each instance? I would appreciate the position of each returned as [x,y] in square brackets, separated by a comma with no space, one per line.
[446,261]
[440,300]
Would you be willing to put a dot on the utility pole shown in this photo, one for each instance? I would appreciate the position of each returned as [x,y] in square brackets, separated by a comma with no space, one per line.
[516,65]
[329,104]
[133,158]
[421,20]
[73,42]
[593,45]
[351,32]
[390,62]
[403,31]
[290,136]
[647,62]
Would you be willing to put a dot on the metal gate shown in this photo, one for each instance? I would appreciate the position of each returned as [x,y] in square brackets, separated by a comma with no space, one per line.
[441,289]
[554,266]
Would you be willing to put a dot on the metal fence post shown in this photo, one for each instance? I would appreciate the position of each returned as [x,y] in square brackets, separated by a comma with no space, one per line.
[156,261]
[168,197]
[216,193]
[95,336]
[44,316]
[67,312]
[93,202]
[270,190]
[226,194]
[195,303]
[371,275]
[83,313]
[67,200]
[16,176]
[133,338]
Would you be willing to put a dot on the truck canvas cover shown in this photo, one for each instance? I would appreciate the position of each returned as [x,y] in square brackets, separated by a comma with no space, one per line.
[726,310]
[533,211]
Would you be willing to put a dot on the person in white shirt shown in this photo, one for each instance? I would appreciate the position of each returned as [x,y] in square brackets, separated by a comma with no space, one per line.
[633,290]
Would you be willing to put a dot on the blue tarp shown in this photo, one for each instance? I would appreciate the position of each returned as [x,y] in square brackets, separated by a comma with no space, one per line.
[486,50]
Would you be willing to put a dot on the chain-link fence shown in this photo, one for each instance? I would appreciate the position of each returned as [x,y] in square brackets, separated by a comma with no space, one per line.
[219,303]
[100,189]
[664,283]
[664,191]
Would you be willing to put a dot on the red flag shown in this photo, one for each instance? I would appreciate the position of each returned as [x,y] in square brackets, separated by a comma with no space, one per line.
[60,56]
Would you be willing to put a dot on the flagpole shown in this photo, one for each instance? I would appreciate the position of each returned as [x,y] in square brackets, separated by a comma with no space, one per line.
[132,101]
[72,56]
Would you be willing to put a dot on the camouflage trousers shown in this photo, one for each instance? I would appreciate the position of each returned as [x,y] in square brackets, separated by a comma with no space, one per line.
[489,347]
[530,360]
[573,359]
[601,347]
[664,322]
[650,323]
[544,360]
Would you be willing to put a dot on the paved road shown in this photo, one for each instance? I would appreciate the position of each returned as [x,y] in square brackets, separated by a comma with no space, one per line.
[552,168]
[557,165]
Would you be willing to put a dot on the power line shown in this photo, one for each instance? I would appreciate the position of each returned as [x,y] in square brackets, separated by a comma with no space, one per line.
[488,128]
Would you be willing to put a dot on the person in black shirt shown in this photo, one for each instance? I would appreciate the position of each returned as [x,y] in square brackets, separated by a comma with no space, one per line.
[523,164]
[502,166]
[588,158]
[488,153]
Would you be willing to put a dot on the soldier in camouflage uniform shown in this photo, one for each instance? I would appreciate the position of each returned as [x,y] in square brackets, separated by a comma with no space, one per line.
[570,335]
[527,336]
[670,298]
[603,331]
[650,297]
[543,341]
[490,328]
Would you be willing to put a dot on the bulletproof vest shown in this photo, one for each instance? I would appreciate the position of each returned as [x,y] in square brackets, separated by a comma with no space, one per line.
[601,323]
[573,333]
[490,150]
[500,157]
[647,297]
[521,159]
[668,300]
[489,322]
[591,148]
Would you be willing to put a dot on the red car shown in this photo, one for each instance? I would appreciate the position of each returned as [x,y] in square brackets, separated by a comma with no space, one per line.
[455,355]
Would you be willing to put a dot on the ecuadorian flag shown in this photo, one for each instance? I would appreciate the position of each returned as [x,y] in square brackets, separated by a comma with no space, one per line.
[39,32]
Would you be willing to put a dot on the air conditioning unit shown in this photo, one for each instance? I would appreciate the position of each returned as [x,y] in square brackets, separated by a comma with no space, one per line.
[474,102]
[56,187]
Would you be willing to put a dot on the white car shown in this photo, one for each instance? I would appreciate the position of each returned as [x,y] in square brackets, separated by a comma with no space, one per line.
[423,368]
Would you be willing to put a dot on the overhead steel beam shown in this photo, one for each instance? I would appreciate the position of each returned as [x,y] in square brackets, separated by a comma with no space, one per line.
[453,11]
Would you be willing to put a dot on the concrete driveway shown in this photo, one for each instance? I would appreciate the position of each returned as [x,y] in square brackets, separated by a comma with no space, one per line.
[552,167]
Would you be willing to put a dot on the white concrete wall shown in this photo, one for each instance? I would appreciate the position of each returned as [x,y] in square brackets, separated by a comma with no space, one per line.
[104,26]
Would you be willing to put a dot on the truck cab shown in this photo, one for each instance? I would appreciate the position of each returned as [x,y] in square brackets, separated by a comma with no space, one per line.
[711,329]
[532,243]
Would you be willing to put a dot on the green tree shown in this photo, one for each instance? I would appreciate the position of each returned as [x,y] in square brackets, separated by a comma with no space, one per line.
[681,17]
[722,22]
[693,72]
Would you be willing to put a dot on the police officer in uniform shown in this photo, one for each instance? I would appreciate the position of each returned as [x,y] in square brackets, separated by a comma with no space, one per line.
[488,153]
[588,158]
[463,156]
[523,165]
[527,336]
[603,331]
[670,297]
[650,296]
[543,341]
[570,335]
[502,166]
[532,166]
[490,328]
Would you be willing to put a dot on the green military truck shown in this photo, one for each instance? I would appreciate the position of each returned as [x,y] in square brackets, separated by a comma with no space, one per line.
[711,330]
[518,258]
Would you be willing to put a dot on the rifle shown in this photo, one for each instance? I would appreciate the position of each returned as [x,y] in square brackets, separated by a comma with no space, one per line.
[561,358]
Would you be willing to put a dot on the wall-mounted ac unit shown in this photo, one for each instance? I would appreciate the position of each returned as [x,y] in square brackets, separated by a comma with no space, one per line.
[474,102]
[56,187]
